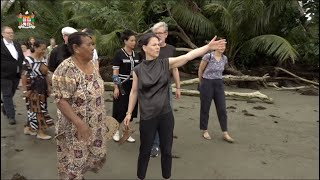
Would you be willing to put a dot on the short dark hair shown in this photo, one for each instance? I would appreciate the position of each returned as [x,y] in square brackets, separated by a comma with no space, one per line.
[37,44]
[144,40]
[126,34]
[75,38]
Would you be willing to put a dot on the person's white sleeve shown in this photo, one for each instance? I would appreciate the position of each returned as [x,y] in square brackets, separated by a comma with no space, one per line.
[95,55]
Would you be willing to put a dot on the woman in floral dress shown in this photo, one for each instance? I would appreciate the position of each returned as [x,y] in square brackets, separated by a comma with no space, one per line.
[82,129]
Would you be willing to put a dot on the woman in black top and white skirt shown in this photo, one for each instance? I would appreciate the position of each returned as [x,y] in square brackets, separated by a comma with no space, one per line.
[123,63]
[150,85]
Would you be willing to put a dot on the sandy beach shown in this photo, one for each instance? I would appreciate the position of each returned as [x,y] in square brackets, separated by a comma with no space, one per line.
[278,141]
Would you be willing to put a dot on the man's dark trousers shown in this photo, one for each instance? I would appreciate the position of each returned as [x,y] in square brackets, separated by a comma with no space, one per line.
[8,89]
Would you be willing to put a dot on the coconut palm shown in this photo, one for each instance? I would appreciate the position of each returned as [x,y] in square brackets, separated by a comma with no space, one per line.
[245,25]
[108,18]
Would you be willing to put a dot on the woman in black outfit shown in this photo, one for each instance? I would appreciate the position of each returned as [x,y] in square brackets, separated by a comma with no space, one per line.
[123,63]
[150,85]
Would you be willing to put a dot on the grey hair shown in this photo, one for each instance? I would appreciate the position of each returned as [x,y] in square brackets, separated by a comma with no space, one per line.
[158,25]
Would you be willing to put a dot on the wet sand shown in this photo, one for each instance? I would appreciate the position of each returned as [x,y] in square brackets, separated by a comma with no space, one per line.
[278,142]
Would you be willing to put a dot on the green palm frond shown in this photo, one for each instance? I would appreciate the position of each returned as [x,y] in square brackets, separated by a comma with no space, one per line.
[275,7]
[219,11]
[297,34]
[109,43]
[192,20]
[273,45]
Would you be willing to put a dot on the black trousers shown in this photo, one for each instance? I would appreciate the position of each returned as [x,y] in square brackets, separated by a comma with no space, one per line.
[8,89]
[164,124]
[212,89]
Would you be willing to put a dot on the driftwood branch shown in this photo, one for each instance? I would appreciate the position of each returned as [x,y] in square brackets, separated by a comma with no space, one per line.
[257,94]
[246,78]
[300,78]
[291,88]
[252,95]
[228,78]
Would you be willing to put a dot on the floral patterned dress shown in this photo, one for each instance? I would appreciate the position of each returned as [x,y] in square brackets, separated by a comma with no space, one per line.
[84,92]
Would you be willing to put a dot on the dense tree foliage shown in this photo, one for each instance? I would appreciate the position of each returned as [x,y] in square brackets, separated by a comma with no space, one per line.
[258,32]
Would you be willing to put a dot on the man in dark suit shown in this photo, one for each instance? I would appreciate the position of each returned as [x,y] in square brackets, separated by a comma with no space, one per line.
[11,68]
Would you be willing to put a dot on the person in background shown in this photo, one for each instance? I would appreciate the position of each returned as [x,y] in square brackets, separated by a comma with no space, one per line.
[212,87]
[60,53]
[30,42]
[123,63]
[25,50]
[166,50]
[78,90]
[95,57]
[36,91]
[151,81]
[11,67]
[51,47]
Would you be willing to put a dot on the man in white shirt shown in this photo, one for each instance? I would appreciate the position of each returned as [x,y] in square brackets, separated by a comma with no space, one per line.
[11,67]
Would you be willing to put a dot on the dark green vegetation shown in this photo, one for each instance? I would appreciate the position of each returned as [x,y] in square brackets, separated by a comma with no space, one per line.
[260,33]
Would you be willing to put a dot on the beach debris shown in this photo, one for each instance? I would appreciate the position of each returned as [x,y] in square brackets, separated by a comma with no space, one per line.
[231,107]
[251,101]
[18,150]
[309,92]
[175,109]
[175,156]
[175,136]
[263,162]
[245,112]
[108,100]
[7,136]
[259,108]
[238,95]
[17,176]
[275,122]
[300,78]
[182,107]
[271,115]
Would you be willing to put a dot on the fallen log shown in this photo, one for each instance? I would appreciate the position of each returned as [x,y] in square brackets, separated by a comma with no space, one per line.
[109,87]
[302,79]
[252,95]
[291,88]
[228,78]
[245,78]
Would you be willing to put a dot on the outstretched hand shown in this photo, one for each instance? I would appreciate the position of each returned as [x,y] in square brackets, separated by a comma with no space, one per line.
[217,44]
